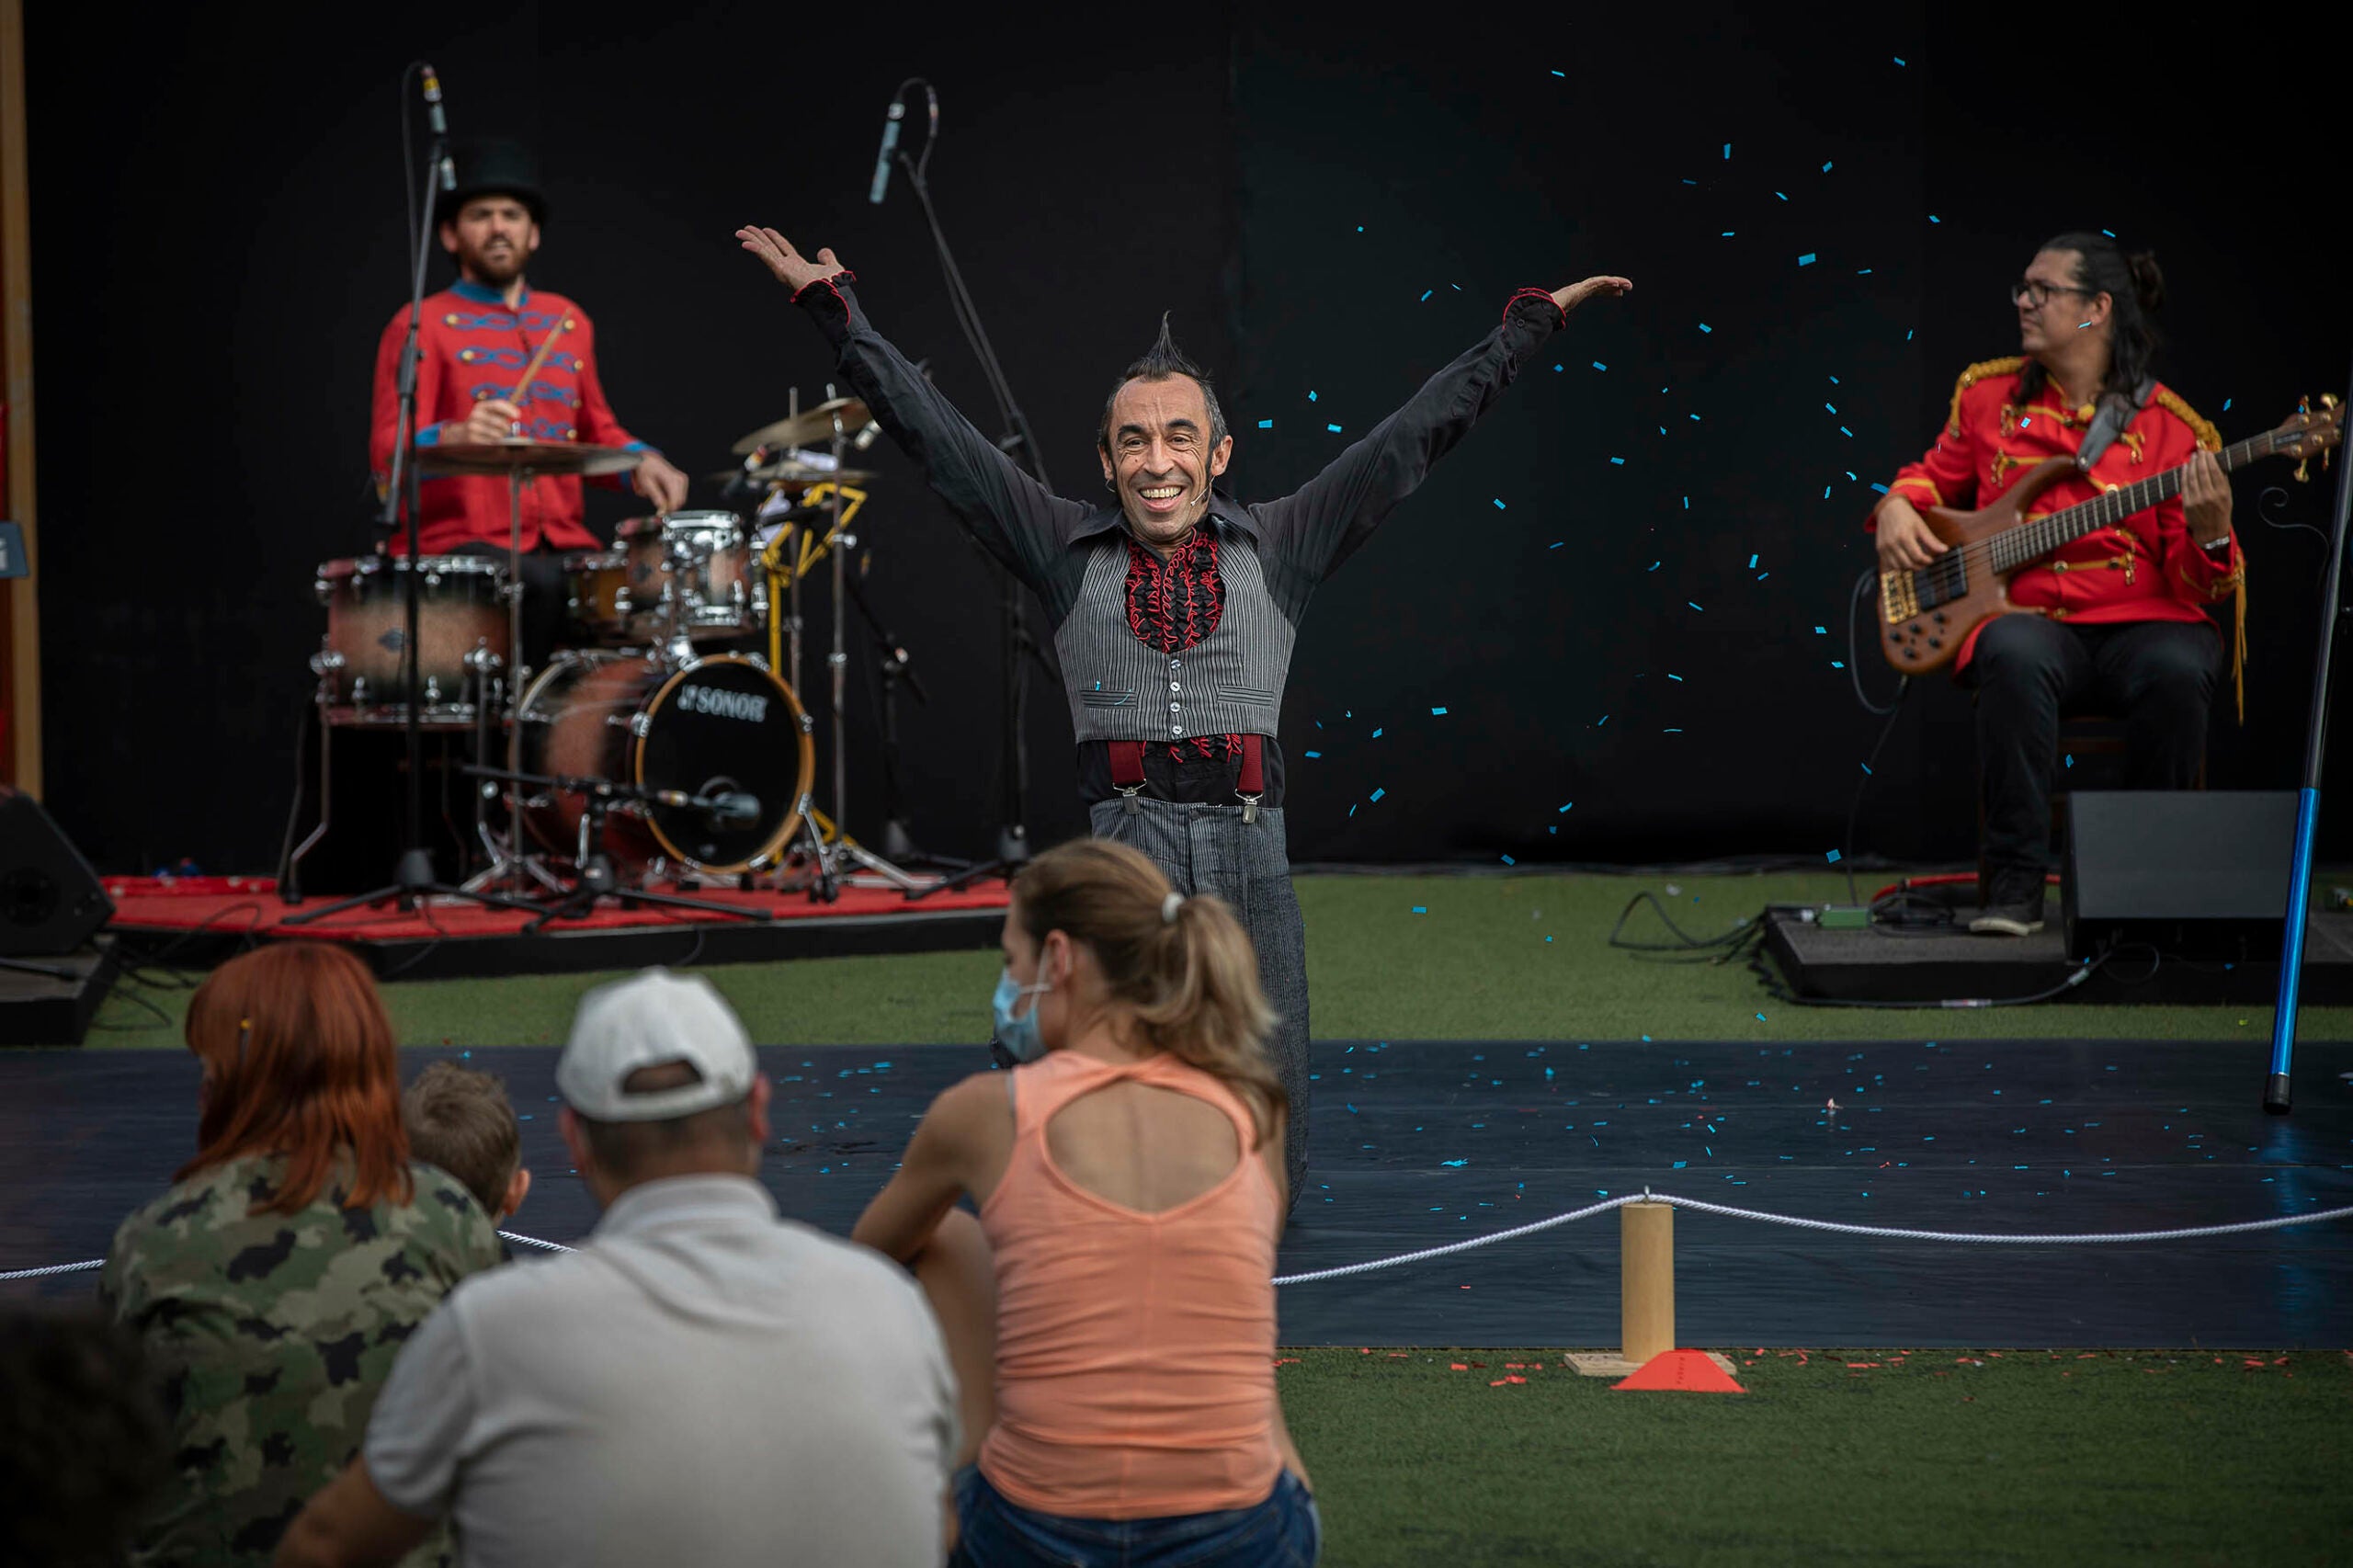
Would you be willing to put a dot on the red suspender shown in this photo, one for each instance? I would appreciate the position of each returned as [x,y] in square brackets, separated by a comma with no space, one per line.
[1127,772]
[1127,766]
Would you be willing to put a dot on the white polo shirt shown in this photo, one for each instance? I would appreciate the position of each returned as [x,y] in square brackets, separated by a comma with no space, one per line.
[700,1382]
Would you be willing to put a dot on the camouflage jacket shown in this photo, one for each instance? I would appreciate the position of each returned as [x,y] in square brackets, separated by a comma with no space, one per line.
[273,1333]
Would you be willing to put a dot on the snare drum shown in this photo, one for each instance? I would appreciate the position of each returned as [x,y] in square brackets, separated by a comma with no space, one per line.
[460,623]
[596,596]
[690,575]
[722,725]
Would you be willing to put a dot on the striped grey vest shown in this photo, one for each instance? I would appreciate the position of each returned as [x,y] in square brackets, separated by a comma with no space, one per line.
[1230,683]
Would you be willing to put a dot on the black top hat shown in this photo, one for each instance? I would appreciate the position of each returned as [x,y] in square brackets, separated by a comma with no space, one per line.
[492,166]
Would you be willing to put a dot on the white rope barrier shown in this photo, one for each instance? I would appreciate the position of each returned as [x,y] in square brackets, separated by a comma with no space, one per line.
[1971,1238]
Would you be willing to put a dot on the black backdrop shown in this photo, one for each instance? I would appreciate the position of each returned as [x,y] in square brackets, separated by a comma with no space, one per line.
[1328,209]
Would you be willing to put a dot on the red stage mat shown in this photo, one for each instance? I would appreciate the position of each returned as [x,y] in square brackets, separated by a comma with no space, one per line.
[202,919]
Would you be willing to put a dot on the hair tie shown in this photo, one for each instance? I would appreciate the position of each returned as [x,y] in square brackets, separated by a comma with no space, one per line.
[1168,908]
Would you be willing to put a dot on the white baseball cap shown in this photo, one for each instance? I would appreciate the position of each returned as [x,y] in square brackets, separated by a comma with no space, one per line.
[654,1017]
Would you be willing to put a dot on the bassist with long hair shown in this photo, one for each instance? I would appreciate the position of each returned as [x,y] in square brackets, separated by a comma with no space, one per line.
[2115,620]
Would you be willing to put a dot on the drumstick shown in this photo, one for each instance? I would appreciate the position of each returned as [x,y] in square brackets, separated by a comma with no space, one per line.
[547,346]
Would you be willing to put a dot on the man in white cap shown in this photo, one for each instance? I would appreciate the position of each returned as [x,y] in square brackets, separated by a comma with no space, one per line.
[700,1382]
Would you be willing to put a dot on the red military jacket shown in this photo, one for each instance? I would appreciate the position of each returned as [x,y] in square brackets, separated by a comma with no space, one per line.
[473,346]
[2143,568]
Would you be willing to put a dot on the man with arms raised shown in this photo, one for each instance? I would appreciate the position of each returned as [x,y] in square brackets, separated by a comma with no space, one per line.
[1173,609]
[699,1383]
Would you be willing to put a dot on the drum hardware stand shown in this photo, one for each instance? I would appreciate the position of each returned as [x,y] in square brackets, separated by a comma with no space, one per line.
[412,874]
[895,666]
[1016,645]
[596,877]
[507,856]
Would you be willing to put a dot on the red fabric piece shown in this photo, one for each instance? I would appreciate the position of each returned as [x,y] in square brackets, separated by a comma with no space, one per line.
[1173,605]
[1994,442]
[471,349]
[1543,294]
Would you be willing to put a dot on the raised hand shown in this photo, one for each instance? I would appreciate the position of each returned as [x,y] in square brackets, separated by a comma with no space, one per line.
[791,268]
[1576,294]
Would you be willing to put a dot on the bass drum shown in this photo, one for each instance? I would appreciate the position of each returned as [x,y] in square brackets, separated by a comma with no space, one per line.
[719,725]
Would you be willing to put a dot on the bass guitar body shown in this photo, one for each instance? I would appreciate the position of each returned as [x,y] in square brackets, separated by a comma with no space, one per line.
[1928,612]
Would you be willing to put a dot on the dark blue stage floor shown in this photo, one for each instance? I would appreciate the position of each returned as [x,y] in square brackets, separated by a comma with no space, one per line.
[1419,1144]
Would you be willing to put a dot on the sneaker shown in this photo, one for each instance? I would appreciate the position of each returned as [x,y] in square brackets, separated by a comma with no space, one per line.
[2013,905]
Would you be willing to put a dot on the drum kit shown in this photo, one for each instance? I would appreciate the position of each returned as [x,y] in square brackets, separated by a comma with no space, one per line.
[660,743]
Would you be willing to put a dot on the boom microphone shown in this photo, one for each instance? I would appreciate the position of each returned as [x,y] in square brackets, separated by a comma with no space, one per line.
[890,145]
[440,124]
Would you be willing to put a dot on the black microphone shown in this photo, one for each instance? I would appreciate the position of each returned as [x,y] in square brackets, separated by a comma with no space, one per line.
[440,124]
[890,145]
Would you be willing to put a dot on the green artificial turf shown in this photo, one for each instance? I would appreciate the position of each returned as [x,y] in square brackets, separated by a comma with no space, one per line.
[1389,956]
[1934,1456]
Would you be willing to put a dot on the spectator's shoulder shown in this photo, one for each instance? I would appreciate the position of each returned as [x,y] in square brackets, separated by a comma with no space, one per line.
[2201,430]
[1989,382]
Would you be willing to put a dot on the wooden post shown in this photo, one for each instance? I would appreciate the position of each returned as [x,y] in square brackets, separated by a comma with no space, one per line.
[1646,1281]
[20,613]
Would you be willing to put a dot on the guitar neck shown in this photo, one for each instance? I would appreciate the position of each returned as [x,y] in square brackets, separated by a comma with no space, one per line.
[2030,540]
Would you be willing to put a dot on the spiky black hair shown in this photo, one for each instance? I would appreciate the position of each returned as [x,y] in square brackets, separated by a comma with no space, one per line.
[1159,362]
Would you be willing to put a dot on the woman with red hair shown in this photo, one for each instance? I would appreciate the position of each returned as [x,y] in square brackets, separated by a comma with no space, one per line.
[300,1248]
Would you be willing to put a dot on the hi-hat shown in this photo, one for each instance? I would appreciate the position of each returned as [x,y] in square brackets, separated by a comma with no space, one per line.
[808,427]
[542,458]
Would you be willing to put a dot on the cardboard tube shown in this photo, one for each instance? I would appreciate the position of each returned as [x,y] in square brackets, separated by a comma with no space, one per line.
[1646,1281]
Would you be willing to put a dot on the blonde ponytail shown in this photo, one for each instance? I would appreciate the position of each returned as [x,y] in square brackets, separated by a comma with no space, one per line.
[1186,970]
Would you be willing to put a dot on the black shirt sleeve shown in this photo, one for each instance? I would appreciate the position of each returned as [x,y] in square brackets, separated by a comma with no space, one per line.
[1314,530]
[1016,519]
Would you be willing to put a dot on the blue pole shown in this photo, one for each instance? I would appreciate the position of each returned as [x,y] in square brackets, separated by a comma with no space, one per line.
[2276,1096]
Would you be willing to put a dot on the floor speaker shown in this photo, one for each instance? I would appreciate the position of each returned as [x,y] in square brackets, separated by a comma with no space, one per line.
[2193,873]
[49,899]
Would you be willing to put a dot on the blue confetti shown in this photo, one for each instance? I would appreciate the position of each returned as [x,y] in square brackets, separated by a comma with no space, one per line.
[1567,804]
[1695,419]
[1499,507]
[1265,424]
[1842,430]
[2226,405]
[1727,149]
[1881,488]
[1656,564]
[1866,767]
[1783,197]
[1333,428]
[1727,235]
[1563,74]
[1556,544]
[1599,366]
[1831,857]
[1620,462]
[1671,676]
[1934,219]
[1752,563]
[1378,793]
[1806,260]
[1694,604]
[1436,712]
[1426,296]
[2109,233]
[1830,406]
[1705,327]
[1313,754]
[1509,862]
[1899,60]
[1687,503]
[1822,631]
[2071,759]
[1311,396]
[1421,909]
[1454,1162]
[1825,168]
[1376,735]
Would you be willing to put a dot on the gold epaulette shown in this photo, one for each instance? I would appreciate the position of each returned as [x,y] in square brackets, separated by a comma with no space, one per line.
[2208,437]
[1971,375]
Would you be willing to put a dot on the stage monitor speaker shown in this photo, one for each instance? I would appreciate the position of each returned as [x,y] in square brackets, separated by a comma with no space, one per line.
[49,899]
[2193,873]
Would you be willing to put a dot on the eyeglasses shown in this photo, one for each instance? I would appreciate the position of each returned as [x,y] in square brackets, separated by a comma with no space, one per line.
[2026,288]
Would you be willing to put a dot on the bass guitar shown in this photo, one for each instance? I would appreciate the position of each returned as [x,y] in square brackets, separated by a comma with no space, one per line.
[1928,612]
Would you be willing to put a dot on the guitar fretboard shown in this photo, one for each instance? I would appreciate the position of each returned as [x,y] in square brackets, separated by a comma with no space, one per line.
[2013,549]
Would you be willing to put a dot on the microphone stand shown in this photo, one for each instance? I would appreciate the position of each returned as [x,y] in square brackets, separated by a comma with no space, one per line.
[412,874]
[2276,1096]
[1015,644]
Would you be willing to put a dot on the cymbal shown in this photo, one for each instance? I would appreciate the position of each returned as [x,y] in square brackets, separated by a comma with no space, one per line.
[540,458]
[809,427]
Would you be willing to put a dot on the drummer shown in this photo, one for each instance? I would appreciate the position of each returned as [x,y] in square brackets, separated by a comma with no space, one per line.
[478,335]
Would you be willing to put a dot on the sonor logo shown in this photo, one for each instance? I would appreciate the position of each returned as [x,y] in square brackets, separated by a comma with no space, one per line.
[747,706]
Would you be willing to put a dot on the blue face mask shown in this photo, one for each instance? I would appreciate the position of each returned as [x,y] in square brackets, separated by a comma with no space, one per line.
[1018,1034]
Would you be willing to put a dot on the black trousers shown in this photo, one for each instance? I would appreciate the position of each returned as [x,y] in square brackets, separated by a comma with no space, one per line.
[2157,676]
[545,601]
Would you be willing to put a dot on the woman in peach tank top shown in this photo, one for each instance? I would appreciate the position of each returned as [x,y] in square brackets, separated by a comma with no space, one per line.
[1111,1312]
